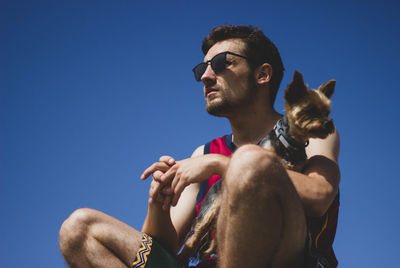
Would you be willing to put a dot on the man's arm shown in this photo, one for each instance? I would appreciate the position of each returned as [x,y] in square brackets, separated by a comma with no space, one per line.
[319,183]
[169,226]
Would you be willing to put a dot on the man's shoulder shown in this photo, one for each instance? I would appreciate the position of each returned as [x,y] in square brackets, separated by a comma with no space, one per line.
[328,147]
[205,148]
[199,151]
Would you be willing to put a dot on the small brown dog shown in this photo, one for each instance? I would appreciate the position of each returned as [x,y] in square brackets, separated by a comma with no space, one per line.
[306,117]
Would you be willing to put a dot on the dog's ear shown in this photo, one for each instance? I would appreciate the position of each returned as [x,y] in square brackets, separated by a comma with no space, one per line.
[328,88]
[296,89]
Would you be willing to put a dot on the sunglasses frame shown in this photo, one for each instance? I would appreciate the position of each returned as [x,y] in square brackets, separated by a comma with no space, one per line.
[217,67]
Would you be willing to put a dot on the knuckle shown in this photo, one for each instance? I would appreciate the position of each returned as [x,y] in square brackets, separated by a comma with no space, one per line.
[164,158]
[155,176]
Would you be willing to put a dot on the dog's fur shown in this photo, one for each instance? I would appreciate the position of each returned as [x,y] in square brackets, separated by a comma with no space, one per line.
[306,117]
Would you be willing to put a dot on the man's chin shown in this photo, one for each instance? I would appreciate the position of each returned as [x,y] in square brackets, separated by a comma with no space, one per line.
[217,110]
[215,113]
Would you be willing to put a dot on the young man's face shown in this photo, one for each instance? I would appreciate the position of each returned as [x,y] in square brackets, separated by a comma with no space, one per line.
[232,88]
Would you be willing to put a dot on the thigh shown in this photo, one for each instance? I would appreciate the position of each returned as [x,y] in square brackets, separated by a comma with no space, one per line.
[293,243]
[265,212]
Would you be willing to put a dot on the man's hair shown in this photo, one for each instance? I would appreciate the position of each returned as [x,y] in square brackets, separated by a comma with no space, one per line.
[259,49]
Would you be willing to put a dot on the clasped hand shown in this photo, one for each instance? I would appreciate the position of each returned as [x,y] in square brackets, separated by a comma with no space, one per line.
[171,177]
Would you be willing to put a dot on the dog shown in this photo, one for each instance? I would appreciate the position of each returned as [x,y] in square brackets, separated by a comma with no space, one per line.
[307,116]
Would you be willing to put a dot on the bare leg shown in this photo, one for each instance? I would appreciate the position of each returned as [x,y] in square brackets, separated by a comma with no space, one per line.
[261,221]
[90,238]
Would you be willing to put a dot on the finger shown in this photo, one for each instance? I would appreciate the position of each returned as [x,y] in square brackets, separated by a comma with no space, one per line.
[175,181]
[169,175]
[159,188]
[167,159]
[152,192]
[156,166]
[155,190]
[167,190]
[177,192]
[178,185]
[167,202]
[157,175]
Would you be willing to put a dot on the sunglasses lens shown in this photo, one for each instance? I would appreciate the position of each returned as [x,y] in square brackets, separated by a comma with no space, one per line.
[199,70]
[218,63]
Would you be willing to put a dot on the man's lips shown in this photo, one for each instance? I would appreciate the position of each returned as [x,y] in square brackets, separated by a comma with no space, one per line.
[209,91]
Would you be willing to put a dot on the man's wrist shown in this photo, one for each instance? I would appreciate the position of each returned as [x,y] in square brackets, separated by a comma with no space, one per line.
[219,163]
[156,207]
[155,215]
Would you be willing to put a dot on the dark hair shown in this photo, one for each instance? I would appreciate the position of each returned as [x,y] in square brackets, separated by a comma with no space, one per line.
[259,49]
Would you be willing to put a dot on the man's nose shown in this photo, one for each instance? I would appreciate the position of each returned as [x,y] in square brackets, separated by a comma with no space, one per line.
[208,75]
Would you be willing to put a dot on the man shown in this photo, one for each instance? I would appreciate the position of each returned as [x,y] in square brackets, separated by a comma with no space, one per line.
[269,217]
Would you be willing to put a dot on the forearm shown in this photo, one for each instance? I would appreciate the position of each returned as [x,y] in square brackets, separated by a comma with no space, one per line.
[318,187]
[182,174]
[158,224]
[218,164]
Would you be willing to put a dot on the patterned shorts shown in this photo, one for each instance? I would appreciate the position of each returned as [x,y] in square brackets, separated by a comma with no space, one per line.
[152,254]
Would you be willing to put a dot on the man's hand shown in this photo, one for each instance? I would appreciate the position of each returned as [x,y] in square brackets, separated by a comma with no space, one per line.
[157,170]
[170,177]
[191,170]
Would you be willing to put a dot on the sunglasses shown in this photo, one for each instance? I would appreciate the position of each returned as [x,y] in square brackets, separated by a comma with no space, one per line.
[218,64]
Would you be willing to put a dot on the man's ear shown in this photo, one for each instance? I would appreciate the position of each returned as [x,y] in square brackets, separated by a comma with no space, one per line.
[263,74]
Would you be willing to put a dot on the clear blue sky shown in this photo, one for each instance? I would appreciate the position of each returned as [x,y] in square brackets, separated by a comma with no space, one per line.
[92,92]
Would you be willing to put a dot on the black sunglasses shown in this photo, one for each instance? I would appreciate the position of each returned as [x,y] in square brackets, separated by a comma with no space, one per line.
[218,64]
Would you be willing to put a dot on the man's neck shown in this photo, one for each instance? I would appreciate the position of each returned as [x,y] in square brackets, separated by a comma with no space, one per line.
[251,126]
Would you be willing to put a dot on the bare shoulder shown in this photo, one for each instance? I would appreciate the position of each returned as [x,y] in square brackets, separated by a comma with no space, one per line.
[199,151]
[328,147]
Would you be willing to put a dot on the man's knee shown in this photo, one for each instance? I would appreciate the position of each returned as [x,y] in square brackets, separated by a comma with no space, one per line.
[253,167]
[75,229]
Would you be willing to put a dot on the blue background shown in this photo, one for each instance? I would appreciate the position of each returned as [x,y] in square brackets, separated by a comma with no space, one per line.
[92,92]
